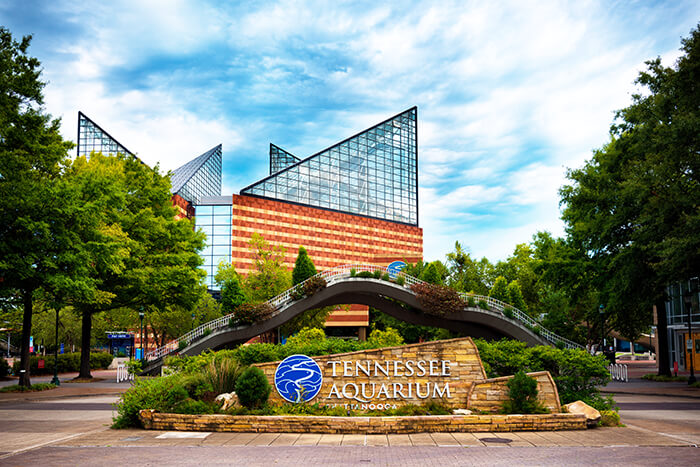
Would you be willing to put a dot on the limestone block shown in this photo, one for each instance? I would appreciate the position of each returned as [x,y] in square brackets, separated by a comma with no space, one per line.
[580,407]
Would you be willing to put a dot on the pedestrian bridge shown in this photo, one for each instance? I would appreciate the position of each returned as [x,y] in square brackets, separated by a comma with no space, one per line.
[392,298]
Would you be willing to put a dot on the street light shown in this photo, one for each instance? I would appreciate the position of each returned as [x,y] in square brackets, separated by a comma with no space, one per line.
[688,302]
[55,356]
[601,311]
[143,356]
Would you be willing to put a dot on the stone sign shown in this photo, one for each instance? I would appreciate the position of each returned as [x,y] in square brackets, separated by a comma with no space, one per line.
[448,371]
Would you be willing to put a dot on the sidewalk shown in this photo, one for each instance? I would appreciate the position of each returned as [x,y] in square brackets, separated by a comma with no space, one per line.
[639,386]
[105,384]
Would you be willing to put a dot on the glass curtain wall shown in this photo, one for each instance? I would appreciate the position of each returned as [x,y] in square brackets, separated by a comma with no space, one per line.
[92,138]
[200,177]
[280,159]
[374,174]
[215,222]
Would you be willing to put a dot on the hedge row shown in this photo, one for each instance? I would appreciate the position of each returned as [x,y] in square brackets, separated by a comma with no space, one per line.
[67,362]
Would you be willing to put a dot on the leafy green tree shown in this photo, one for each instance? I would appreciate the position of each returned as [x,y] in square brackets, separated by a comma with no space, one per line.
[499,291]
[152,265]
[303,267]
[232,293]
[431,275]
[633,208]
[171,322]
[515,296]
[36,223]
[315,318]
[270,277]
[467,274]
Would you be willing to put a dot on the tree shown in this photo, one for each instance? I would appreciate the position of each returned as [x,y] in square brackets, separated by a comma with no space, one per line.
[153,263]
[515,296]
[431,274]
[499,291]
[270,277]
[315,318]
[168,323]
[634,208]
[232,293]
[467,274]
[35,224]
[303,267]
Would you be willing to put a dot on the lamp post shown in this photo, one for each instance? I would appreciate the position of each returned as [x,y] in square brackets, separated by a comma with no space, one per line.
[688,302]
[55,356]
[601,311]
[143,356]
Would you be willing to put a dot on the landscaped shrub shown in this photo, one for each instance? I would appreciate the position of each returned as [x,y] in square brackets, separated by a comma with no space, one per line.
[314,284]
[67,362]
[482,304]
[182,345]
[249,313]
[576,373]
[252,387]
[221,374]
[438,300]
[471,301]
[609,418]
[377,274]
[353,272]
[298,292]
[161,394]
[365,274]
[386,277]
[4,368]
[195,407]
[32,388]
[401,280]
[390,337]
[663,378]
[508,313]
[522,395]
[307,336]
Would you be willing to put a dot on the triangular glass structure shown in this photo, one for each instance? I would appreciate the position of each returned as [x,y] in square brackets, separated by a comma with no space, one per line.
[200,177]
[91,137]
[374,174]
[280,159]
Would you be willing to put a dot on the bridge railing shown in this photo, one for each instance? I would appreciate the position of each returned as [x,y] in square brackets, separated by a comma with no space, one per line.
[341,272]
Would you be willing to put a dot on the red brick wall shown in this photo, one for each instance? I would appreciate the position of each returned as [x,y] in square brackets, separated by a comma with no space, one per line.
[184,207]
[331,238]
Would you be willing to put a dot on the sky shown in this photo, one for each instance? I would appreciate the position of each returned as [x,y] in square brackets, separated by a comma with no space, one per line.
[509,93]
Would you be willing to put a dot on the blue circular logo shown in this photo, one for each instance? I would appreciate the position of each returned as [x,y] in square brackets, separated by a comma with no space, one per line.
[395,268]
[298,378]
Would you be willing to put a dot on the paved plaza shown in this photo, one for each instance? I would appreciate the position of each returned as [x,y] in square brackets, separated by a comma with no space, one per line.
[70,425]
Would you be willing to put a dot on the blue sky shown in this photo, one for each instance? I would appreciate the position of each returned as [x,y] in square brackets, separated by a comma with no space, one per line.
[509,93]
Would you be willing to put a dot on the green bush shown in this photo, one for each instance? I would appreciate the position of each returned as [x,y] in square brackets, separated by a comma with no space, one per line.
[471,301]
[390,337]
[365,274]
[67,362]
[195,407]
[298,292]
[182,345]
[206,333]
[307,336]
[663,378]
[4,368]
[314,285]
[161,394]
[252,387]
[377,274]
[522,395]
[353,272]
[386,277]
[576,373]
[134,367]
[482,304]
[508,313]
[401,280]
[609,418]
[32,388]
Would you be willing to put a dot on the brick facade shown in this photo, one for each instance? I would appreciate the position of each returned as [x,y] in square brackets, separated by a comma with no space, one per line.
[331,239]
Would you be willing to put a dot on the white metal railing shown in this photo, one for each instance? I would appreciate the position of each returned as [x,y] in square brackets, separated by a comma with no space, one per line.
[343,272]
[618,372]
[123,373]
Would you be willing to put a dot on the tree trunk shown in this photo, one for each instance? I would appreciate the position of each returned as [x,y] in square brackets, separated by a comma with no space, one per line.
[24,379]
[662,338]
[85,345]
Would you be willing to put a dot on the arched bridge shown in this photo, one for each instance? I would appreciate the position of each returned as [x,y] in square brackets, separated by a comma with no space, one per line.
[498,320]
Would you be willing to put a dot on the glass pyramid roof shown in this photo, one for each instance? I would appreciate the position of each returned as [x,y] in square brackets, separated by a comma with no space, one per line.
[280,159]
[373,174]
[91,137]
[200,177]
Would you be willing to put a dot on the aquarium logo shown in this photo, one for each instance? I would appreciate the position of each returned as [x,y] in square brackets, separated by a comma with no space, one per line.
[395,268]
[298,378]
